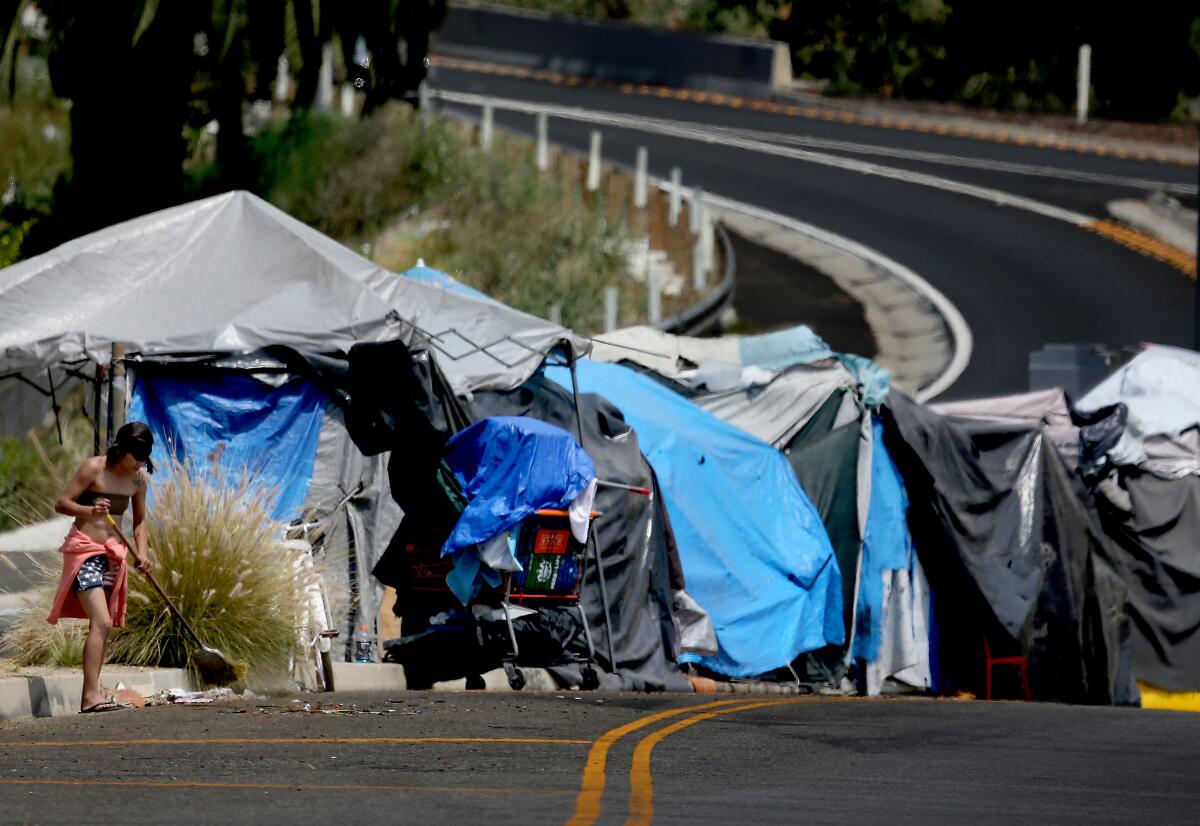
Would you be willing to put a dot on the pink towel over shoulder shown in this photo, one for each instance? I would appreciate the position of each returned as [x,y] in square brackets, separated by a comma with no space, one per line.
[77,548]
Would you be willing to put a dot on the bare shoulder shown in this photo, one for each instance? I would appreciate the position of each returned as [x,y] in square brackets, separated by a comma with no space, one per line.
[141,479]
[91,468]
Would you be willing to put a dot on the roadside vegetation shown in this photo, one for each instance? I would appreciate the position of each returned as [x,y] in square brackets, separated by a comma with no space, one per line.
[216,555]
[399,190]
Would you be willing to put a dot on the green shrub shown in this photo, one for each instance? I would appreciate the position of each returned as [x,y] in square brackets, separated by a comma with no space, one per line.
[406,190]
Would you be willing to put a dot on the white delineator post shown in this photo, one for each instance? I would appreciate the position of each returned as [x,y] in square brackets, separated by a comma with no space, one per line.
[695,207]
[555,314]
[543,142]
[676,194]
[347,100]
[611,296]
[593,171]
[1083,81]
[485,128]
[325,80]
[283,80]
[425,102]
[641,178]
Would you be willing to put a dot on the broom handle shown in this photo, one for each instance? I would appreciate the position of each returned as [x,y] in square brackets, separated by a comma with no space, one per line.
[153,581]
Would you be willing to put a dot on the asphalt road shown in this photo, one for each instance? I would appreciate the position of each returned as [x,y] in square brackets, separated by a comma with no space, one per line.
[1020,279]
[504,758]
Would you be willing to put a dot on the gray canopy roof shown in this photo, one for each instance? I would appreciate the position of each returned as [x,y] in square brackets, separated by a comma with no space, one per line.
[233,272]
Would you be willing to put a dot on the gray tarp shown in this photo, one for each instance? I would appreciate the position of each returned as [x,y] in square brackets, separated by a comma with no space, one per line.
[1161,567]
[1007,536]
[233,273]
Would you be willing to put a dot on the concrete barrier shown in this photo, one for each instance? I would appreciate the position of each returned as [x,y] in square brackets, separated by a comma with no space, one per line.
[610,50]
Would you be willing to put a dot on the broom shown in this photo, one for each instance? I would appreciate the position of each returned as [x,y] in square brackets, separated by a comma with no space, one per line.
[213,667]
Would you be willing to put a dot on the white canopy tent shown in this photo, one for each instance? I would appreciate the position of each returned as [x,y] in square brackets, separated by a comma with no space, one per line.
[233,273]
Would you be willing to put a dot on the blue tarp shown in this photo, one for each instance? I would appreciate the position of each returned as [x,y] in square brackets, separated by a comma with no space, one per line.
[800,345]
[429,275]
[508,467]
[240,425]
[887,546]
[754,551]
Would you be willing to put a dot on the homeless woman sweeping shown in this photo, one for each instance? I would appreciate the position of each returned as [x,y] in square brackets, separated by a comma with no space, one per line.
[94,573]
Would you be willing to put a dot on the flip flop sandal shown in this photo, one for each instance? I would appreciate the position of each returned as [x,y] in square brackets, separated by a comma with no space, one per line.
[107,705]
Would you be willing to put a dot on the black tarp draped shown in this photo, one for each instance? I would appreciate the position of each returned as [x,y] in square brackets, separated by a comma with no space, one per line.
[1012,549]
[1159,555]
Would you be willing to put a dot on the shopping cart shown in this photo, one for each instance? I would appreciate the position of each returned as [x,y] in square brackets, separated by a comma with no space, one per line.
[553,564]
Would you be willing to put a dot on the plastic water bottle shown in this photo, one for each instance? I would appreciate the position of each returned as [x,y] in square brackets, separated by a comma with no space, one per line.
[362,645]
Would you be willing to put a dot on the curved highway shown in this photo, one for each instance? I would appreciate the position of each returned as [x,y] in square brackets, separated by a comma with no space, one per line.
[999,228]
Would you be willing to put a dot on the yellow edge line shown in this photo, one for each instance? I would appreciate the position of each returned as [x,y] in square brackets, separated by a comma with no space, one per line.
[1145,244]
[641,785]
[587,804]
[288,741]
[845,117]
[321,787]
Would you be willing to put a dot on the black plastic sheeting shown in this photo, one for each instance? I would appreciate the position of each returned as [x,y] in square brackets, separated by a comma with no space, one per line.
[641,566]
[1012,549]
[1160,560]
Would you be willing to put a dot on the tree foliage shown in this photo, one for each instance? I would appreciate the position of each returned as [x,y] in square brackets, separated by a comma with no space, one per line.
[142,74]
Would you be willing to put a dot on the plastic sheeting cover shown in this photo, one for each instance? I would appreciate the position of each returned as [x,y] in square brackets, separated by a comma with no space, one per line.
[886,547]
[233,273]
[753,548]
[429,275]
[240,425]
[509,466]
[1161,388]
[632,535]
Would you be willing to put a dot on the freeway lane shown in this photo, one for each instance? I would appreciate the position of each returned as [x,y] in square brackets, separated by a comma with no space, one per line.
[601,758]
[1019,279]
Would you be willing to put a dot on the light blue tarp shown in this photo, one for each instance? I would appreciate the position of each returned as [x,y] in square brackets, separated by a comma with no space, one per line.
[240,425]
[429,275]
[887,546]
[508,467]
[754,551]
[800,345]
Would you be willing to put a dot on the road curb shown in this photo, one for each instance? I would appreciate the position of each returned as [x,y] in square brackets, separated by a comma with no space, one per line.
[57,695]
[922,338]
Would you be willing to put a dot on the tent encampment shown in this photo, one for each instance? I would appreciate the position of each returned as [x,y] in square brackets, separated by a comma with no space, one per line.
[220,306]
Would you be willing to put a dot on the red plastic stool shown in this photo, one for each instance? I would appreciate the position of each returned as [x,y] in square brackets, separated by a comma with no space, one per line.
[1018,661]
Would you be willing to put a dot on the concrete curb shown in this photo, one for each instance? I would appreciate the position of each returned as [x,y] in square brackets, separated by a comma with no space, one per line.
[57,695]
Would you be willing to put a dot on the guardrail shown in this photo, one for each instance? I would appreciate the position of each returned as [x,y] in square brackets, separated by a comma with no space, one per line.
[674,226]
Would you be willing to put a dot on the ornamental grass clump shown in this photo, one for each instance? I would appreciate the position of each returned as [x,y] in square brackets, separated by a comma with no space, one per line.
[216,555]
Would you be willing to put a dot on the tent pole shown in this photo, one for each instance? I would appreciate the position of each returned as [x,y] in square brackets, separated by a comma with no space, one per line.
[96,407]
[575,397]
[612,658]
[54,404]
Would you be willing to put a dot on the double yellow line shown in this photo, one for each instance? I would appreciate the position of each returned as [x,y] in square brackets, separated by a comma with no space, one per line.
[641,783]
